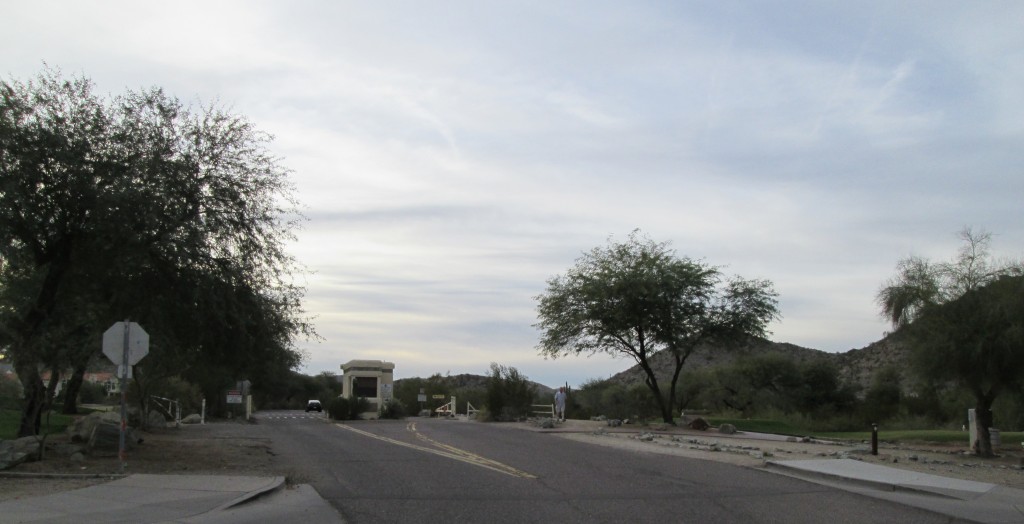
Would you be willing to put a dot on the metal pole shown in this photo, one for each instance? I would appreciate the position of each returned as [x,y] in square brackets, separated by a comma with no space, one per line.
[124,399]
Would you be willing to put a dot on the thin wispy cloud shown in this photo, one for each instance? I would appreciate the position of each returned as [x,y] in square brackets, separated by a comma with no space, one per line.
[453,157]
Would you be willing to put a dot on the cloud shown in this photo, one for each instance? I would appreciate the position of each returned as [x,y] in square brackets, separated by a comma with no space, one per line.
[451,161]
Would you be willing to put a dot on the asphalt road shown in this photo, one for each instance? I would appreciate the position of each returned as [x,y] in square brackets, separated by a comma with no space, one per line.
[432,470]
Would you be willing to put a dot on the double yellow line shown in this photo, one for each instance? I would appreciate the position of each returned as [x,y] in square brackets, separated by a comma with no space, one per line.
[445,451]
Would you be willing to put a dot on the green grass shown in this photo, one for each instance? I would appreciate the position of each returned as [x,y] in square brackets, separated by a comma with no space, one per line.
[10,419]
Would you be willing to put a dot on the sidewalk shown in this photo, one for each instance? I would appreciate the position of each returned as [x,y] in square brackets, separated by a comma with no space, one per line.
[963,499]
[177,499]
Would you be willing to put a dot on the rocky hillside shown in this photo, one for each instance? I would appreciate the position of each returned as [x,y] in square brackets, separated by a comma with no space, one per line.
[857,366]
[469,381]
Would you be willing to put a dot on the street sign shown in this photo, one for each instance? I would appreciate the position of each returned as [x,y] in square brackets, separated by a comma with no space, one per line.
[234,396]
[437,397]
[113,343]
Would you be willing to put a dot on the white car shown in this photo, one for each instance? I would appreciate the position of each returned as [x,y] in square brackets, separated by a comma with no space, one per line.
[314,405]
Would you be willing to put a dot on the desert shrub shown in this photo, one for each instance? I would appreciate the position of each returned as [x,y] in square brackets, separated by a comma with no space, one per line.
[338,408]
[356,407]
[92,393]
[509,393]
[392,409]
[341,408]
[10,393]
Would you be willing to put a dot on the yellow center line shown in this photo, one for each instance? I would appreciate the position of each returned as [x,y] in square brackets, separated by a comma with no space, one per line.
[449,451]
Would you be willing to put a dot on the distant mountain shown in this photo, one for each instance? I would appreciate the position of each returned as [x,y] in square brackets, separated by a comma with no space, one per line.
[470,381]
[856,366]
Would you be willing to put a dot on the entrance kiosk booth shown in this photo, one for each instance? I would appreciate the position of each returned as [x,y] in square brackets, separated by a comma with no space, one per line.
[372,380]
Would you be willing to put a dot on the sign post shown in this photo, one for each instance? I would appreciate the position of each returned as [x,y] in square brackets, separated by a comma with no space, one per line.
[125,343]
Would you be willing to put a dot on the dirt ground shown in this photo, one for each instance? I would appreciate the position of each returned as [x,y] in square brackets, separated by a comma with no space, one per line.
[754,450]
[238,448]
[220,448]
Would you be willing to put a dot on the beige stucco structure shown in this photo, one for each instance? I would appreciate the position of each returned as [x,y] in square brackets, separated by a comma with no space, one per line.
[369,379]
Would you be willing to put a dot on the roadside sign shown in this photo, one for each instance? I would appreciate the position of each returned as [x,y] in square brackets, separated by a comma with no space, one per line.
[113,343]
[438,397]
[234,397]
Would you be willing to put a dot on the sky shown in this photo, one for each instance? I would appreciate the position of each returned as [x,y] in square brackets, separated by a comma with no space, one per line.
[451,157]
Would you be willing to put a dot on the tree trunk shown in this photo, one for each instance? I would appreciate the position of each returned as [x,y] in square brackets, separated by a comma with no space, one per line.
[35,397]
[983,418]
[652,384]
[73,387]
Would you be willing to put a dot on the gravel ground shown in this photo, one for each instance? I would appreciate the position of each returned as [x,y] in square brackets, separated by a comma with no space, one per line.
[753,450]
[220,448]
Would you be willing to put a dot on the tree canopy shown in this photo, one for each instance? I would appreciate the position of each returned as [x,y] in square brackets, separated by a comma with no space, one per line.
[637,298]
[136,206]
[964,321]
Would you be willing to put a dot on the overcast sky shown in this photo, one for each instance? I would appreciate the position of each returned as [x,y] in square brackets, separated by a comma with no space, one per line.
[453,156]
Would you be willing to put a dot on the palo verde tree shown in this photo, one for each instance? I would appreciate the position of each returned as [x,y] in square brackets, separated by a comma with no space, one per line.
[637,298]
[963,319]
[139,207]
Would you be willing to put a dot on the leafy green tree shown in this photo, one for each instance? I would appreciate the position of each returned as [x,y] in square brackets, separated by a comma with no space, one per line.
[637,298]
[977,341]
[759,382]
[820,392]
[882,400]
[139,207]
[509,393]
[959,315]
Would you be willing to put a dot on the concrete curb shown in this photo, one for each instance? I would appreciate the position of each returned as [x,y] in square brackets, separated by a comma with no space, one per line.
[881,478]
[72,476]
[275,484]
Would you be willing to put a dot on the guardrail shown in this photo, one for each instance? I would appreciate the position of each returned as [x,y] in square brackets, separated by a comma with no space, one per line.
[544,410]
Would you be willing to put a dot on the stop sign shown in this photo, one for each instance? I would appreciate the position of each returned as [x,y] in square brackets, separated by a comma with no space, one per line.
[113,343]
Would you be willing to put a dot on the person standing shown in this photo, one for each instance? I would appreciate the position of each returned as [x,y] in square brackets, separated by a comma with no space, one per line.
[560,404]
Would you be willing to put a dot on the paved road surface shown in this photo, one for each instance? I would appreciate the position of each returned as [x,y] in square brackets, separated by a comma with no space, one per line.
[431,470]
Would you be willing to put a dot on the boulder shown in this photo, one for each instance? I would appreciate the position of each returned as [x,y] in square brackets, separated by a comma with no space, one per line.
[194,418]
[614,422]
[727,429]
[83,428]
[106,438]
[14,452]
[155,419]
[699,424]
[546,423]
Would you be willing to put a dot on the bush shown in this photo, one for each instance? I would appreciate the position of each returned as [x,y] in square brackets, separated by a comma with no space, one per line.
[338,408]
[341,408]
[357,407]
[92,393]
[509,393]
[392,409]
[10,393]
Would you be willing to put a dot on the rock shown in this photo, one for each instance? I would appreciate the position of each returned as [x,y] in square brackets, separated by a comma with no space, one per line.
[107,438]
[699,424]
[77,457]
[645,437]
[546,423]
[155,419]
[727,429]
[14,452]
[614,422]
[194,418]
[83,428]
[29,446]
